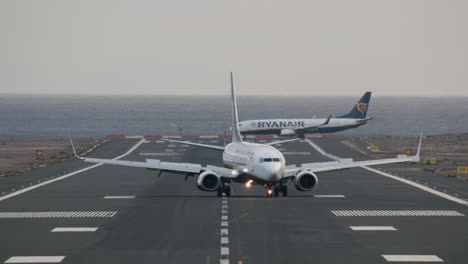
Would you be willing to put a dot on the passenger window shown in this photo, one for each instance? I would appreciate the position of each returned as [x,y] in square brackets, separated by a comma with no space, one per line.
[276,159]
[267,160]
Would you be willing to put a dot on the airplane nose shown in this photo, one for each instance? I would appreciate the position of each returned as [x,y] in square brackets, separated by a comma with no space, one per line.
[275,172]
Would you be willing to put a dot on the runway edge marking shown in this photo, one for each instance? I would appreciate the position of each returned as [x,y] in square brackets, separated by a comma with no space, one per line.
[414,184]
[13,194]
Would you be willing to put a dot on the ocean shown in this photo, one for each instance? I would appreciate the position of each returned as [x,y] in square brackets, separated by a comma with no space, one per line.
[42,116]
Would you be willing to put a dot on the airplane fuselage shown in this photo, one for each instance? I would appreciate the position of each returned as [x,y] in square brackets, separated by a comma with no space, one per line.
[288,126]
[260,163]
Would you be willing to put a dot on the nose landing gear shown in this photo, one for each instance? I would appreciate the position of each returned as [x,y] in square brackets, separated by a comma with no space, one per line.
[275,190]
[226,189]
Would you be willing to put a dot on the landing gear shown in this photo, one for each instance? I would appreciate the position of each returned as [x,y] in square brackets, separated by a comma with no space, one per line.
[284,190]
[276,191]
[270,190]
[226,189]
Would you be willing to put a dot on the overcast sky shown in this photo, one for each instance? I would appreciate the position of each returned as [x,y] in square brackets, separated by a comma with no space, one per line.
[394,47]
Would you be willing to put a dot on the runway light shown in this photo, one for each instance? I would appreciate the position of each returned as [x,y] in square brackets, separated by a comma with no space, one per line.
[248,184]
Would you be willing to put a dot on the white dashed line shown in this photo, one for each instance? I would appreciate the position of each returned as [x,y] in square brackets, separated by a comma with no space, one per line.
[396,213]
[35,259]
[224,255]
[74,229]
[119,197]
[373,228]
[412,258]
[224,251]
[9,215]
[329,196]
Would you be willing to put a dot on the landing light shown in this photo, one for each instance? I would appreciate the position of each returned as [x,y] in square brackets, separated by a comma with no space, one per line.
[234,172]
[270,191]
[245,170]
[248,184]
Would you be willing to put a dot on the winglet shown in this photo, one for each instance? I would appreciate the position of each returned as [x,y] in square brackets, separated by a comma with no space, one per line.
[73,147]
[326,121]
[419,146]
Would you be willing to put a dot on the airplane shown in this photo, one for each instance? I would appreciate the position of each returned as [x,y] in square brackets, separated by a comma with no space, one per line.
[249,164]
[298,127]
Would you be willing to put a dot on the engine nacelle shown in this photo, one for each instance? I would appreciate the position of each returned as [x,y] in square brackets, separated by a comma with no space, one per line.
[287,132]
[305,181]
[208,181]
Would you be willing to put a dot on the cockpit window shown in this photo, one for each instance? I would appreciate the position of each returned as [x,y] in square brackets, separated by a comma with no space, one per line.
[270,160]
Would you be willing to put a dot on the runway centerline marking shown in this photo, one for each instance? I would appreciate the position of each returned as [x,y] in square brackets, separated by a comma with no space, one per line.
[119,197]
[74,229]
[224,234]
[329,196]
[373,228]
[35,259]
[412,258]
[13,194]
[414,184]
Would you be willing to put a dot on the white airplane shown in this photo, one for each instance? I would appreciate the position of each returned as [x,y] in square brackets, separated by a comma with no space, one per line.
[249,164]
[291,127]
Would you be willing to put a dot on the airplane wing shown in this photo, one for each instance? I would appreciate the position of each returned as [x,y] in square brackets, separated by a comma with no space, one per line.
[196,144]
[303,130]
[348,163]
[162,166]
[154,164]
[280,141]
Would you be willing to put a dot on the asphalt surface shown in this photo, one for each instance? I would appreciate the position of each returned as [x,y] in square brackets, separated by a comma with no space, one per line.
[170,221]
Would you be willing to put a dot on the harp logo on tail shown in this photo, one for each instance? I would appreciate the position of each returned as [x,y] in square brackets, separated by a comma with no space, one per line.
[362,107]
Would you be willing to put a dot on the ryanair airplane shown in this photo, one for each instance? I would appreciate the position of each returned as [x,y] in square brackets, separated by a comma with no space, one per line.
[291,127]
[249,164]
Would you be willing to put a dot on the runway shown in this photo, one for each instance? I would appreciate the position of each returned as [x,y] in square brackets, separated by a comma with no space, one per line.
[113,214]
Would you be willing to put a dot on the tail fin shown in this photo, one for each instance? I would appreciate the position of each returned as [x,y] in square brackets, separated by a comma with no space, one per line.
[236,136]
[360,109]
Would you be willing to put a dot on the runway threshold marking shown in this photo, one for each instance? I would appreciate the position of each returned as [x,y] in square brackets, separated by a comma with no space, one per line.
[35,259]
[414,184]
[119,197]
[13,194]
[74,229]
[373,228]
[57,214]
[396,213]
[412,258]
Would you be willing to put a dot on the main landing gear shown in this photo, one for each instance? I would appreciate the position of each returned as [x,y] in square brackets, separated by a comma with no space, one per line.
[226,189]
[276,190]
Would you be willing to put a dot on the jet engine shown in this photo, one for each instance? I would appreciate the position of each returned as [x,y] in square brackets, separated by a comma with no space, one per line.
[208,181]
[305,181]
